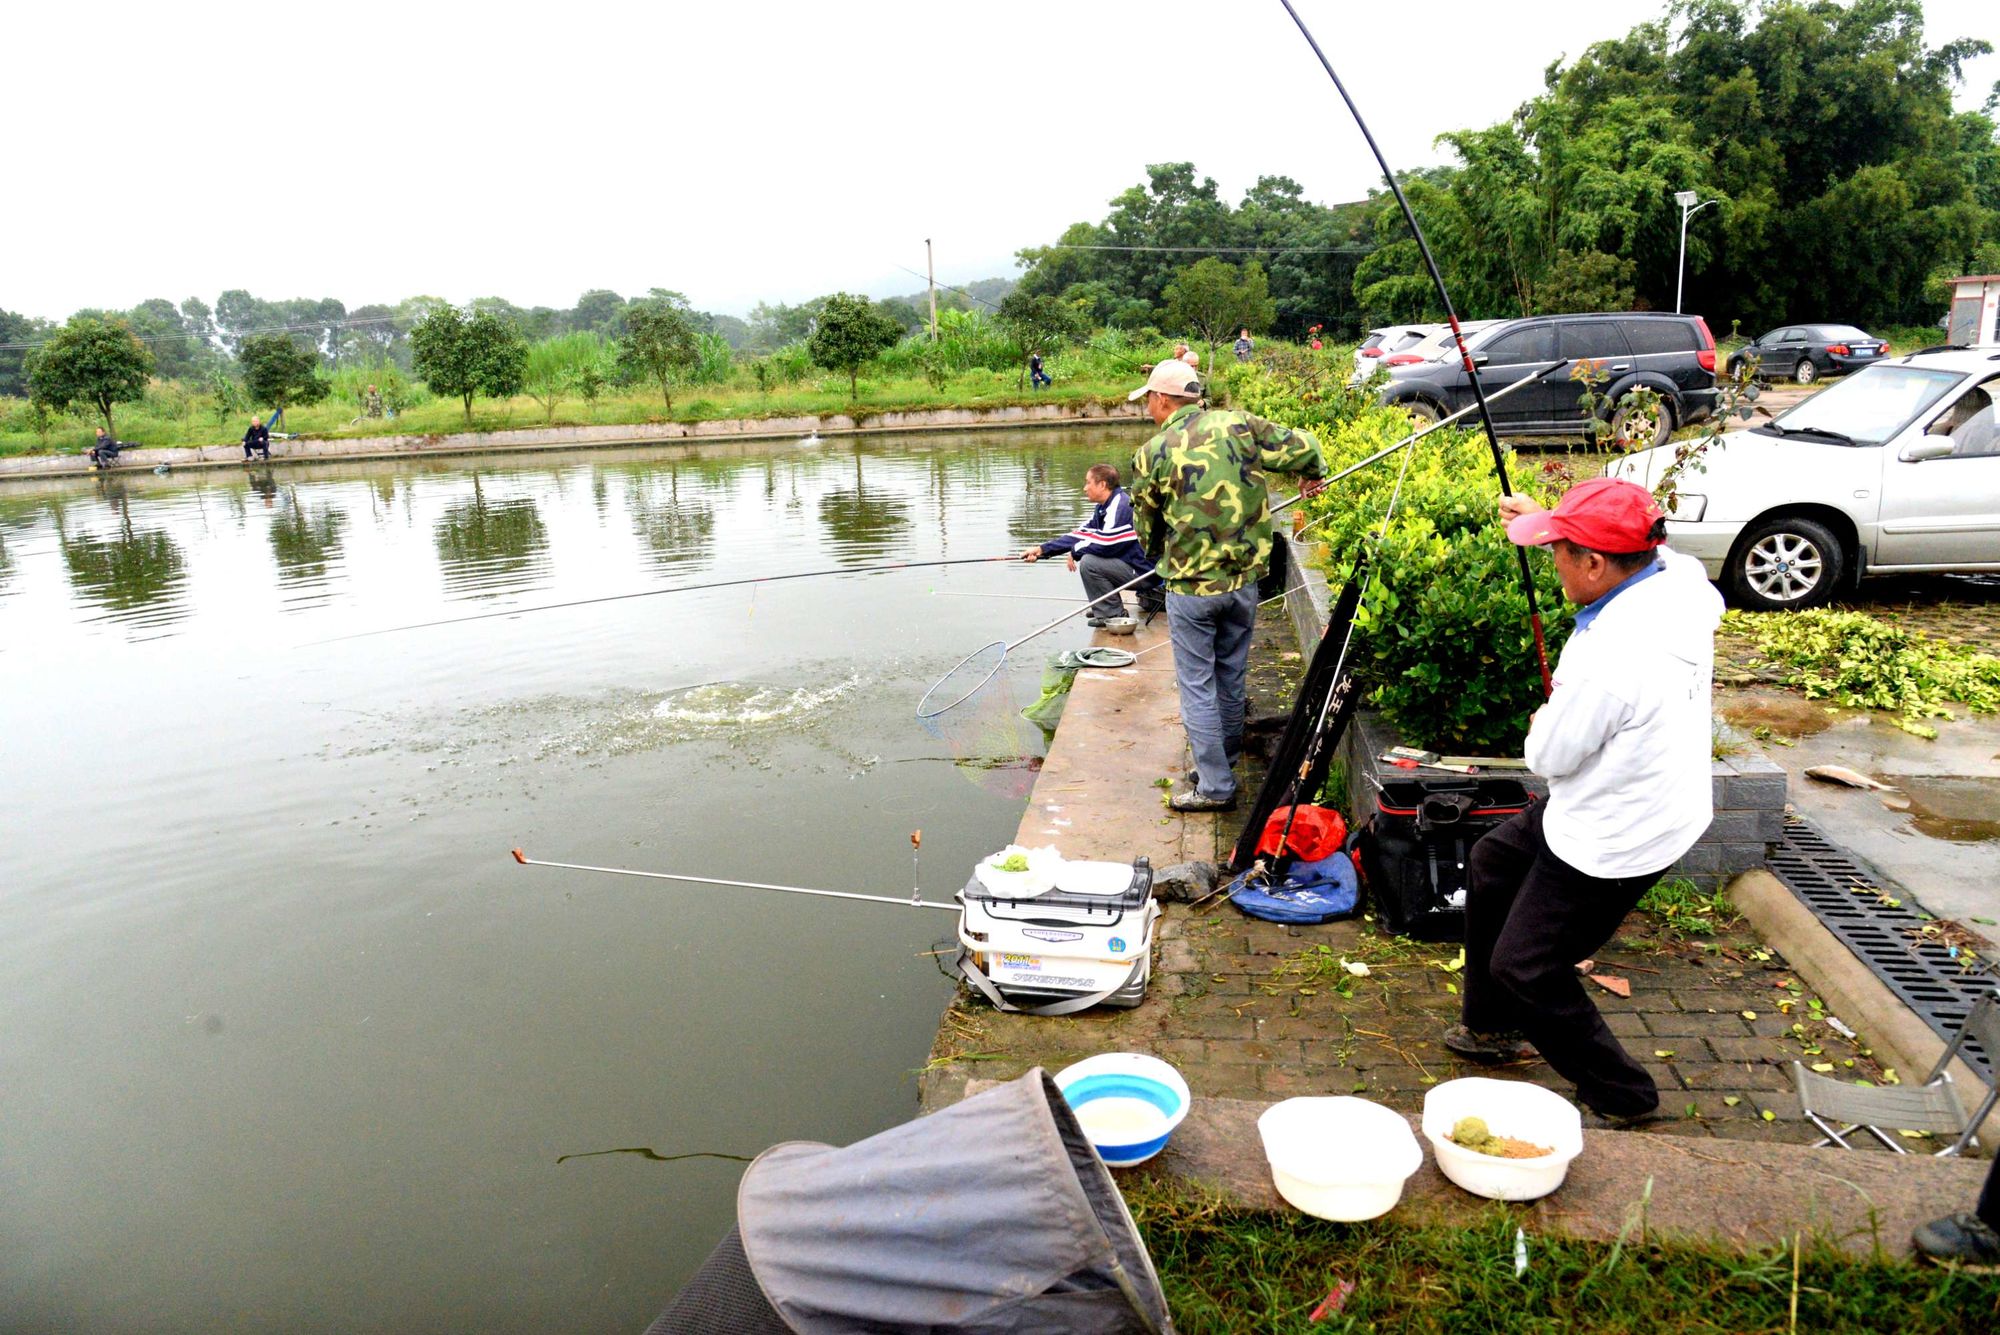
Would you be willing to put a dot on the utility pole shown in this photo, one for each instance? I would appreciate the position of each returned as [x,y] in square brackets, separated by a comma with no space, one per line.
[930,269]
[1686,199]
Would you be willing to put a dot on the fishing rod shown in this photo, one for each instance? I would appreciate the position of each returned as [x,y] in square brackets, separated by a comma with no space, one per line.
[1416,436]
[677,588]
[1458,335]
[1005,648]
[912,902]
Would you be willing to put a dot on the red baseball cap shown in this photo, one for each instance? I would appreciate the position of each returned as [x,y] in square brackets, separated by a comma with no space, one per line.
[1604,514]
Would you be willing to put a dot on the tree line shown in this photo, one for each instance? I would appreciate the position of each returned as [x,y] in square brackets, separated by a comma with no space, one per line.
[1847,188]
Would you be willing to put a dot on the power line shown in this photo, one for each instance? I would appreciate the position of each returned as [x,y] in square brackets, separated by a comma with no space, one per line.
[1224,250]
[949,286]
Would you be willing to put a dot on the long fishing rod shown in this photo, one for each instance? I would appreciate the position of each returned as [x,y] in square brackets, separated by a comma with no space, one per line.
[1442,422]
[1458,335]
[912,902]
[677,588]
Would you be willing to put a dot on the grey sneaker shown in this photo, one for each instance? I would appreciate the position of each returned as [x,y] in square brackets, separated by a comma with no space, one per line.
[1958,1239]
[1186,797]
[1490,1048]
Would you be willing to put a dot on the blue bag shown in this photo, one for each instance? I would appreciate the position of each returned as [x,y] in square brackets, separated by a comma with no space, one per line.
[1310,893]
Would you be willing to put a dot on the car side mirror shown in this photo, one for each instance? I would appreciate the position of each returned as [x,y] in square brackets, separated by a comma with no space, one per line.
[1479,359]
[1930,447]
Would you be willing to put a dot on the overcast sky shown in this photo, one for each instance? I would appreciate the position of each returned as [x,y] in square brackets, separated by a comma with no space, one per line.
[771,150]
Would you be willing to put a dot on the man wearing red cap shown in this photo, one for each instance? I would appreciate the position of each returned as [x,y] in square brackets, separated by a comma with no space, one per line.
[1625,743]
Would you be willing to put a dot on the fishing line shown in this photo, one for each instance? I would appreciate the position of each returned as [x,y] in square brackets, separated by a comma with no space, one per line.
[1458,335]
[973,675]
[912,902]
[1413,438]
[677,588]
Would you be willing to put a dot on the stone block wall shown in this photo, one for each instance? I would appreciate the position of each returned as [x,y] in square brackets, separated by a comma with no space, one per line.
[1749,789]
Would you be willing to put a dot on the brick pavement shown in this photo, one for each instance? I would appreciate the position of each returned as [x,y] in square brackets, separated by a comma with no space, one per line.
[1254,1010]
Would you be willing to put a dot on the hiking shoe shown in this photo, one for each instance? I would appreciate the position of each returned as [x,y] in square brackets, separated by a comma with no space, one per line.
[1597,1121]
[1186,797]
[1960,1239]
[1490,1048]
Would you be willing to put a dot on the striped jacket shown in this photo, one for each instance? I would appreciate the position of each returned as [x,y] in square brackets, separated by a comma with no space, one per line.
[1108,532]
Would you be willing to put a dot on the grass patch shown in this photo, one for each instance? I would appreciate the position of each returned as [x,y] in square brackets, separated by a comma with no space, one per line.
[1684,910]
[1229,1270]
[1866,663]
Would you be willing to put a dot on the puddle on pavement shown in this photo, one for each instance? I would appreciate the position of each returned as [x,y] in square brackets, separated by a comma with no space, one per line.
[1783,713]
[1961,811]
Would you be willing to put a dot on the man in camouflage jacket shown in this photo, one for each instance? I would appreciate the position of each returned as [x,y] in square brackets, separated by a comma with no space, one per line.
[1200,505]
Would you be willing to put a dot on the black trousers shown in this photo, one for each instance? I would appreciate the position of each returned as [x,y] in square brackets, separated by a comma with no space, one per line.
[1529,917]
[1989,1197]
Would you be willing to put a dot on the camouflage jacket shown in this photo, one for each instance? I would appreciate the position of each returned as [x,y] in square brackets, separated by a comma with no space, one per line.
[1199,498]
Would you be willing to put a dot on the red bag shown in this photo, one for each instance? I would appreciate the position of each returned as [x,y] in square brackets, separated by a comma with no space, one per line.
[1317,833]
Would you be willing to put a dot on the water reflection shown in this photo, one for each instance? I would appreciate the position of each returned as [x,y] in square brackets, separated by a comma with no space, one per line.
[306,542]
[679,531]
[490,548]
[138,574]
[1051,502]
[863,522]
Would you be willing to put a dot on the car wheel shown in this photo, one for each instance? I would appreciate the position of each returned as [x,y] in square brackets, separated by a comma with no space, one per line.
[1625,419]
[1805,372]
[1422,414]
[1788,563]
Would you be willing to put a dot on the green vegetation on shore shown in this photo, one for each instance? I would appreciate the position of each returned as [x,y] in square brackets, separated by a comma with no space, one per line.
[905,379]
[1229,1270]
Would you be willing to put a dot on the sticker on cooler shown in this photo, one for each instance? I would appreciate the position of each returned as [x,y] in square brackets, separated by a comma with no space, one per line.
[1075,975]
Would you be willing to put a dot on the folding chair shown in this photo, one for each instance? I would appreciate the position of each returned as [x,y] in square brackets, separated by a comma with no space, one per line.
[1932,1106]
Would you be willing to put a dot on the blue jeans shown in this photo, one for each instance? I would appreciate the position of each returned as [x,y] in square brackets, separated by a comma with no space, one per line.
[1211,638]
[1038,379]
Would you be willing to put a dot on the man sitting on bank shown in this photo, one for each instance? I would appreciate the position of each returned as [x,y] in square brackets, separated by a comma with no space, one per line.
[1625,744]
[1106,551]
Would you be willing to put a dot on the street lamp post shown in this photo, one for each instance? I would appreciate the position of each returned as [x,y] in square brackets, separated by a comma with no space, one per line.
[1686,199]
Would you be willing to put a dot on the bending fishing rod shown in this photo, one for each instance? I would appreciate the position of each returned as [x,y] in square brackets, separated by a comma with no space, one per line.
[1416,436]
[912,902]
[1458,336]
[677,588]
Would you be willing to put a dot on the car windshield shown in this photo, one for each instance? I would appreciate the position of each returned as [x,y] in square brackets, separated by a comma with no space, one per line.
[1872,405]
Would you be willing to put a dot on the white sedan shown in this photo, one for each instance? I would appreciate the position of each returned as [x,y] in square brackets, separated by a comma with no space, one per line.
[1894,470]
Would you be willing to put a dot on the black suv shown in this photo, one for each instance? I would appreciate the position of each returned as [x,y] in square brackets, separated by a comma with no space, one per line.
[1673,355]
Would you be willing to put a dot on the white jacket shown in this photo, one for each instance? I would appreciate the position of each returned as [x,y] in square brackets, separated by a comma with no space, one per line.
[1626,739]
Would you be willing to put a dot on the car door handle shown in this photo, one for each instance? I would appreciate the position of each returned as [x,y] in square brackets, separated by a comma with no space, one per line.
[1624,366]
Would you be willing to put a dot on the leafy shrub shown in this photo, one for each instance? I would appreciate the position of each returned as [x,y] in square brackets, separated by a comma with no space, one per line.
[1443,640]
[714,360]
[1865,663]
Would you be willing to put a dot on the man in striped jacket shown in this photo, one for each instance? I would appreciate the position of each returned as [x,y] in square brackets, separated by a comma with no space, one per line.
[1106,550]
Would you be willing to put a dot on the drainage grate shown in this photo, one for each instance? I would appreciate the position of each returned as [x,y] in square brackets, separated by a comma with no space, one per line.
[1922,973]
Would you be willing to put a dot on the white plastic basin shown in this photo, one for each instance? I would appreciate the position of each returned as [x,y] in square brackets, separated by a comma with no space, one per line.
[1511,1108]
[1339,1157]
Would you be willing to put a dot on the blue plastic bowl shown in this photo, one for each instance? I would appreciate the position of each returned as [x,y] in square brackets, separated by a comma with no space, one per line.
[1128,1104]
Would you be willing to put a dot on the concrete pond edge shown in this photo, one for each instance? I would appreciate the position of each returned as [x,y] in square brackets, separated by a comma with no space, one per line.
[343,448]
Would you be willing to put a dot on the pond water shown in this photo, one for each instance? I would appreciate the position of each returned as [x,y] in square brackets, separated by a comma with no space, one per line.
[292,1043]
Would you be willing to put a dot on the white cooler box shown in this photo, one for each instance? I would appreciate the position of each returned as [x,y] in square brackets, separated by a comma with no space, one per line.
[1061,936]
